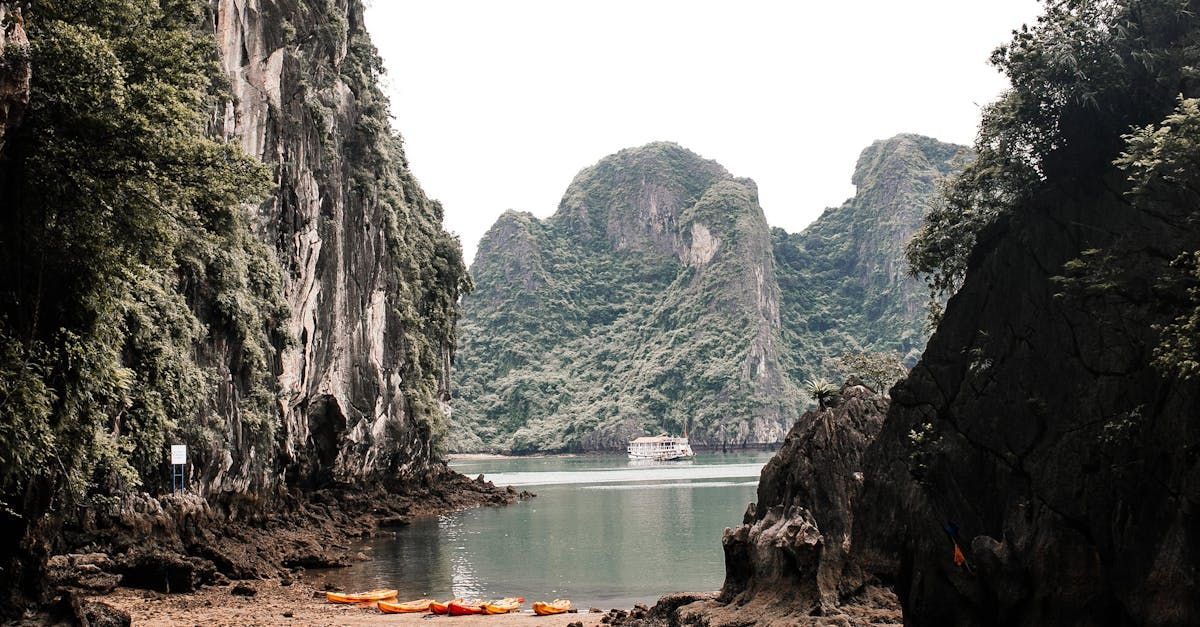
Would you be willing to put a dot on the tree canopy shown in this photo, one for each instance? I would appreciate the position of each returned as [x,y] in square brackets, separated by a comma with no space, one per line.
[124,246]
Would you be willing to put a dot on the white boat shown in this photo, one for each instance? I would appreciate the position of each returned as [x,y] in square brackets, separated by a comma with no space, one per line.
[660,448]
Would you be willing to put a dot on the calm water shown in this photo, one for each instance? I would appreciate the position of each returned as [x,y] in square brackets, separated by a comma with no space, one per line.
[602,532]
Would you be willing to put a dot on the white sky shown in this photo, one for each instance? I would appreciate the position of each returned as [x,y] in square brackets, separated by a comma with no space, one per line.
[502,102]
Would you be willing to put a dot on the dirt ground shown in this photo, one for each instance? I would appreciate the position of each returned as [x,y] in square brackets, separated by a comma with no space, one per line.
[297,604]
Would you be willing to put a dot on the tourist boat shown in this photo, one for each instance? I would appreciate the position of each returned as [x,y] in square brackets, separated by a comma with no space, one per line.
[660,448]
[557,606]
[503,606]
[442,608]
[459,607]
[408,607]
[370,596]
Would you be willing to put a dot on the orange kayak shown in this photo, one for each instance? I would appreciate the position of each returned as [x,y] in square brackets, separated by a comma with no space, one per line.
[371,596]
[503,606]
[442,608]
[557,606]
[464,608]
[408,607]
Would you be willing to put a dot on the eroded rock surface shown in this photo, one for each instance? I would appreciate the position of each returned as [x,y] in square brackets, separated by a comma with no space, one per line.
[368,272]
[789,559]
[1067,462]
[15,71]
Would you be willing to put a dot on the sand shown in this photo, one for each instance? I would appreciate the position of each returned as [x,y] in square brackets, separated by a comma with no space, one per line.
[217,606]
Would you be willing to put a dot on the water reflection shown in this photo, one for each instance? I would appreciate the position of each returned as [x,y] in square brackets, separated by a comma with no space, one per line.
[610,543]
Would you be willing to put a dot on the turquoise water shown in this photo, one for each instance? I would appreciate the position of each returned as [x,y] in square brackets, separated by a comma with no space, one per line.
[603,532]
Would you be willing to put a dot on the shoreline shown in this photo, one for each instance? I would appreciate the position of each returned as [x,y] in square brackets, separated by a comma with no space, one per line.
[299,603]
[470,457]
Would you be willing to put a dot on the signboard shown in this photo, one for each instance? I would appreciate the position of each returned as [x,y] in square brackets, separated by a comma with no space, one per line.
[178,453]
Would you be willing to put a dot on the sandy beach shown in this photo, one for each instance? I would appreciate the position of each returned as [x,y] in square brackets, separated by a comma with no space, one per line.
[297,604]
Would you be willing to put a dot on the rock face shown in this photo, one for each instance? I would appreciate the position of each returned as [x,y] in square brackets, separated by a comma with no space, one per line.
[1067,462]
[369,276]
[789,556]
[658,299]
[14,67]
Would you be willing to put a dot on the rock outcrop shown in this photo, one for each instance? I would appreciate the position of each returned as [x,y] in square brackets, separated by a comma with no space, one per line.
[658,299]
[1036,424]
[791,561]
[787,561]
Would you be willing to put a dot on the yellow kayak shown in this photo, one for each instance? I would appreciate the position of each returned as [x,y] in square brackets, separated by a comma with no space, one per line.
[408,607]
[557,606]
[503,606]
[369,596]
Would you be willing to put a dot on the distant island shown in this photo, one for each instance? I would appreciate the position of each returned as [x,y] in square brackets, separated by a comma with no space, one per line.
[657,299]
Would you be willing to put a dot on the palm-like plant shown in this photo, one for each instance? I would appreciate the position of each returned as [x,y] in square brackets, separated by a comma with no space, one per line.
[821,391]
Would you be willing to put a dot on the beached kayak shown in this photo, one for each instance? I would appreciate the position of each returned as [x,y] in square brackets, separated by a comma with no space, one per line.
[503,606]
[465,608]
[557,606]
[369,596]
[442,608]
[408,607]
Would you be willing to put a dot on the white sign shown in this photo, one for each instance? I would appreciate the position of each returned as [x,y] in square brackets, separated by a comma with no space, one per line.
[178,453]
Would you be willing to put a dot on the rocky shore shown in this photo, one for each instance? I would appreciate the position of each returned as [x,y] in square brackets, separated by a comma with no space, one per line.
[183,544]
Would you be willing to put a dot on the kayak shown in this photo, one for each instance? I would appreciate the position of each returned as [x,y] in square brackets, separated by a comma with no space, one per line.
[369,596]
[459,607]
[503,606]
[442,608]
[557,606]
[408,607]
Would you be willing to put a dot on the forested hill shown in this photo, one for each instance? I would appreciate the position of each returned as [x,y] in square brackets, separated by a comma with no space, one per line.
[657,298]
[844,279]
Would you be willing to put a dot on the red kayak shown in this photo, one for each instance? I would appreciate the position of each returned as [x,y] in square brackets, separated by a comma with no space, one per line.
[465,608]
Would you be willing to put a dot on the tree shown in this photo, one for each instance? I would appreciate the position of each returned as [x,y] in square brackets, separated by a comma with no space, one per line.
[124,248]
[880,371]
[1162,162]
[1087,72]
[822,391]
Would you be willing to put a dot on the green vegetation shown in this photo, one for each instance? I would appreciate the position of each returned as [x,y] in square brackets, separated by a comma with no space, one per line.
[1080,78]
[844,279]
[658,299]
[1094,83]
[124,247]
[823,392]
[141,298]
[880,371]
[1163,164]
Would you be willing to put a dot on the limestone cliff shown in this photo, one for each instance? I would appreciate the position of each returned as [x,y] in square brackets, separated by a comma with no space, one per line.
[368,272]
[210,237]
[844,279]
[646,303]
[658,299]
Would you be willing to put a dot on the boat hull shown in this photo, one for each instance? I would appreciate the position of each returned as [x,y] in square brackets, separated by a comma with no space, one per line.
[549,609]
[408,607]
[442,608]
[372,596]
[459,609]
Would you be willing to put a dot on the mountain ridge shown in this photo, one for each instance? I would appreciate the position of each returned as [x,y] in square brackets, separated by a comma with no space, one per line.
[651,298]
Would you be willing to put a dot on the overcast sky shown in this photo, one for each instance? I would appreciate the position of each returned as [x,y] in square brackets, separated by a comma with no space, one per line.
[502,102]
